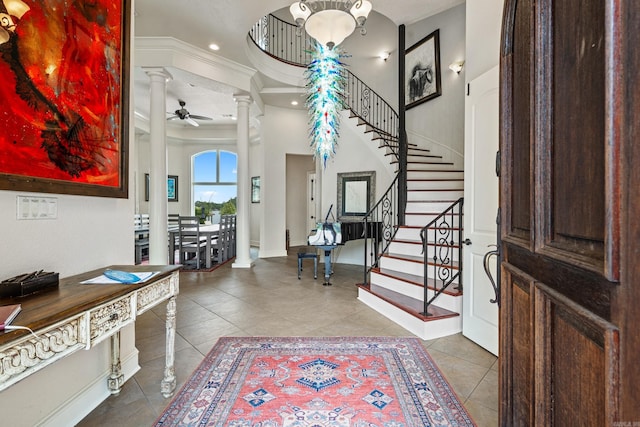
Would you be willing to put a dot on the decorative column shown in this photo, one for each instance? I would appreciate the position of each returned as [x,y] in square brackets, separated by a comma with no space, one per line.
[243,235]
[158,250]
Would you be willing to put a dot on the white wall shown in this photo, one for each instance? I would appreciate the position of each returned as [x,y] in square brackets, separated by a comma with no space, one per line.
[283,131]
[88,233]
[297,168]
[355,152]
[256,169]
[483,24]
[441,120]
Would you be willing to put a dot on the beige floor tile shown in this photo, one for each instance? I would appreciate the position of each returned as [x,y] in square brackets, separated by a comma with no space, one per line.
[485,393]
[463,348]
[483,416]
[464,376]
[269,300]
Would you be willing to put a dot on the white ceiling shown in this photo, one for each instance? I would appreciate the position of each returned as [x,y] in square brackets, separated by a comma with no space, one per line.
[227,23]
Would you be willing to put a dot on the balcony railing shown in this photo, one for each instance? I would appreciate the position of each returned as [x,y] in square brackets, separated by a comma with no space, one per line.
[282,41]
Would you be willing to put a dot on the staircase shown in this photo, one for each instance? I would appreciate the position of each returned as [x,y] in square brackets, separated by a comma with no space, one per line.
[405,270]
[396,287]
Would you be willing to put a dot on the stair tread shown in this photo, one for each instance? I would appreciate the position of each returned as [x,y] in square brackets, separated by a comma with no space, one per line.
[435,179]
[408,304]
[426,156]
[417,280]
[435,170]
[436,189]
[433,201]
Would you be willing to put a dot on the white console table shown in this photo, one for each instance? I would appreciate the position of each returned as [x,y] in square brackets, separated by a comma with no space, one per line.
[78,316]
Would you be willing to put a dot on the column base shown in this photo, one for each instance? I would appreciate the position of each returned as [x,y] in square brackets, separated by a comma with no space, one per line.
[242,264]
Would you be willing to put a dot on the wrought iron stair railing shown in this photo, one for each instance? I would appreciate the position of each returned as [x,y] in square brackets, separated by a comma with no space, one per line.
[380,227]
[443,235]
[280,40]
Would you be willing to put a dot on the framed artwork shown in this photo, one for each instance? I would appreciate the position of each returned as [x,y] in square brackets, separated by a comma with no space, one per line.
[422,71]
[64,97]
[172,188]
[255,189]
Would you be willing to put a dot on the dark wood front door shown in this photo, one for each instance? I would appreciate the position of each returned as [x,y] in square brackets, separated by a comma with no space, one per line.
[569,201]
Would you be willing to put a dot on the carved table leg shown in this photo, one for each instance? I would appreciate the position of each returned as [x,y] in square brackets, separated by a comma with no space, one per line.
[116,378]
[169,382]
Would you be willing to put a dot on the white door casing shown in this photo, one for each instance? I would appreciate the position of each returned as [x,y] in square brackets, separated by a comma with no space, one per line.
[312,191]
[479,315]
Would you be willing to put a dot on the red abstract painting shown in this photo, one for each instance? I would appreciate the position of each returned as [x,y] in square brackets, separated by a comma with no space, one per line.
[61,97]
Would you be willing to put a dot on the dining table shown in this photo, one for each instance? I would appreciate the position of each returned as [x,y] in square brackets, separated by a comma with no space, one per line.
[208,232]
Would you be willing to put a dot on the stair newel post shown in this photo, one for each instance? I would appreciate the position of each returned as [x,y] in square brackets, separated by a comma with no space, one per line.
[460,223]
[366,238]
[402,134]
[424,236]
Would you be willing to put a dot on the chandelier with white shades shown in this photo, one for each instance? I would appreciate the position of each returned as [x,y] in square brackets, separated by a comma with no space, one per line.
[331,21]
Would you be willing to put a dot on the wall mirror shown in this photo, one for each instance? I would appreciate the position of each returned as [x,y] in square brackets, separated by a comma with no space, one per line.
[356,193]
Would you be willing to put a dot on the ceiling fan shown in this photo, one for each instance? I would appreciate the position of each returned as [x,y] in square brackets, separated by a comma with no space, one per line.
[184,114]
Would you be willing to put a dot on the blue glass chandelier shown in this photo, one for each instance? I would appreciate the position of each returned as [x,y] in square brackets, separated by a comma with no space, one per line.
[325,86]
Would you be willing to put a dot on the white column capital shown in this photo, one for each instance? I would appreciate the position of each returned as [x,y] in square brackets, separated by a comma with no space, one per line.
[241,98]
[156,72]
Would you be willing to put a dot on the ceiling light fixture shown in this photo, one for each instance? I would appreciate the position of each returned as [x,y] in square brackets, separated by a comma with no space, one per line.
[384,55]
[214,46]
[331,21]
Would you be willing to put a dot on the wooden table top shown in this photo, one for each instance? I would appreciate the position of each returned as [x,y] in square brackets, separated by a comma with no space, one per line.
[71,298]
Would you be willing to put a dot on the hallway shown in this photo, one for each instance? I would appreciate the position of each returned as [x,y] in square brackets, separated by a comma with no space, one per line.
[269,300]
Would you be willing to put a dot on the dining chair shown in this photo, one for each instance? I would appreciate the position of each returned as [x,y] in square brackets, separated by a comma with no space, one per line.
[190,244]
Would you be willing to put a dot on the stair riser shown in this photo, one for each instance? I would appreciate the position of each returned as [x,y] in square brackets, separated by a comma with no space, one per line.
[408,233]
[424,330]
[446,301]
[408,267]
[420,158]
[419,220]
[413,249]
[413,174]
[429,207]
[423,196]
[435,185]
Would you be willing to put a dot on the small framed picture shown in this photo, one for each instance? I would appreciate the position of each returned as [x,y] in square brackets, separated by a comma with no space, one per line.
[255,189]
[172,188]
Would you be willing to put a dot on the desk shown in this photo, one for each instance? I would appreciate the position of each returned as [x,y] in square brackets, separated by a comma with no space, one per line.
[210,232]
[77,316]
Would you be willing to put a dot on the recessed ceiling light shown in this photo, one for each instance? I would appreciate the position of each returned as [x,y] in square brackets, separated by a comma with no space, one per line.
[294,102]
[214,46]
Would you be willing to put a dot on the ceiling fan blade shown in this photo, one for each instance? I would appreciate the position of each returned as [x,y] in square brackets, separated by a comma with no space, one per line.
[193,116]
[191,121]
[173,118]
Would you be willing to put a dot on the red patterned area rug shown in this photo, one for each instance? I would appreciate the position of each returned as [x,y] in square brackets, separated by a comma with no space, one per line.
[316,382]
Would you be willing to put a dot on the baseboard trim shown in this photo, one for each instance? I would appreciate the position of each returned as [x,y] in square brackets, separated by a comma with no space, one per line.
[86,400]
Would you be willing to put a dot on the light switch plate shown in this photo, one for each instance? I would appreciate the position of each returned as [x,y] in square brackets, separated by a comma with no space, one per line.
[36,207]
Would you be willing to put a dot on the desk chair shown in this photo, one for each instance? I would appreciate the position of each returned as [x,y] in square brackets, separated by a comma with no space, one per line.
[308,252]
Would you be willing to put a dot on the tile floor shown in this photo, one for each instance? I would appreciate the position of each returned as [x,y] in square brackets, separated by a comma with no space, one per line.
[269,300]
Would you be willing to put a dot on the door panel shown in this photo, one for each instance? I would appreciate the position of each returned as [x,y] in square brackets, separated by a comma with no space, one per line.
[515,316]
[577,360]
[480,315]
[561,214]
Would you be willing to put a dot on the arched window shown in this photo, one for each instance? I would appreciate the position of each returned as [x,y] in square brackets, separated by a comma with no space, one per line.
[214,184]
